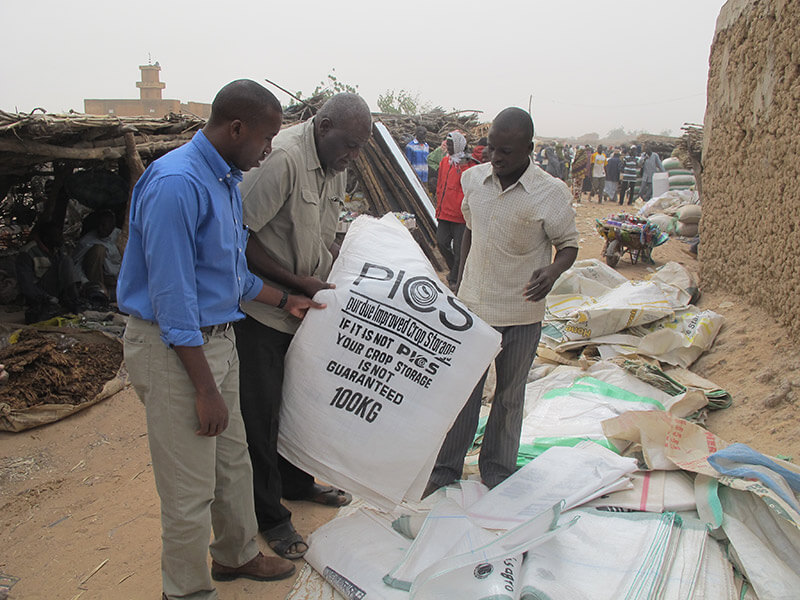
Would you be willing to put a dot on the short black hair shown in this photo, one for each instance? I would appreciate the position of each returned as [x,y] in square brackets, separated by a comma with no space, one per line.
[243,99]
[515,119]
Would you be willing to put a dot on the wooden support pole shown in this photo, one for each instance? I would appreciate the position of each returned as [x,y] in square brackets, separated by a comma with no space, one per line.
[135,170]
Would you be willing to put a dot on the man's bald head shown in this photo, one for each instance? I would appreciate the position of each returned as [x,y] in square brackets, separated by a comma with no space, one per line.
[341,128]
[244,100]
[515,120]
[344,109]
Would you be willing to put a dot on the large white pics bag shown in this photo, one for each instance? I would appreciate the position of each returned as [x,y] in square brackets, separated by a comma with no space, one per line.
[374,381]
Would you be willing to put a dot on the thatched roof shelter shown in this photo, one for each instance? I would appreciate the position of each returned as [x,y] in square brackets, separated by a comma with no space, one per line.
[29,142]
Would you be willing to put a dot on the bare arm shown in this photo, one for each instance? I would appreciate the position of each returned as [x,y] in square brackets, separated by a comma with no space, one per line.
[542,280]
[211,410]
[466,244]
[295,304]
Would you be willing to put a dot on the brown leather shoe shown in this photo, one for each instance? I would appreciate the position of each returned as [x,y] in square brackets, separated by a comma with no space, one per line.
[261,568]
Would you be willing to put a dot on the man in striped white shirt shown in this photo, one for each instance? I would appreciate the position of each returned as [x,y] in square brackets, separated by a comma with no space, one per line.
[515,215]
[630,170]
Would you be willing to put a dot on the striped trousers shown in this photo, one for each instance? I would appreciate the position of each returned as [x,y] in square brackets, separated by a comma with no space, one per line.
[498,457]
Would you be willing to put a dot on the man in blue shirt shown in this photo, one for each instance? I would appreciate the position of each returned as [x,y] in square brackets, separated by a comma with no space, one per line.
[417,153]
[183,276]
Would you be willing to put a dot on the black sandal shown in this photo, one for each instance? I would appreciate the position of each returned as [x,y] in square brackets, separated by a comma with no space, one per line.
[325,495]
[282,538]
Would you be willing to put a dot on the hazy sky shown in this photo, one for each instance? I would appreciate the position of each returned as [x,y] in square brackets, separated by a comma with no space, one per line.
[591,66]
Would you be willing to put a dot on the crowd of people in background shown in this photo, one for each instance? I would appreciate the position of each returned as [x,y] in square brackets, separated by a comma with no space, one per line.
[441,170]
[605,174]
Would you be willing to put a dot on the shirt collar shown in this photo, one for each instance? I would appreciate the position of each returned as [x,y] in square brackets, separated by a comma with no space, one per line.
[525,180]
[310,146]
[219,167]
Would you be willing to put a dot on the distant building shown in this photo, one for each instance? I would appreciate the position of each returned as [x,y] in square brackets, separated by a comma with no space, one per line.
[150,102]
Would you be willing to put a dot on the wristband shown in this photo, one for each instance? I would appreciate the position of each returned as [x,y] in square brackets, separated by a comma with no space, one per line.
[284,299]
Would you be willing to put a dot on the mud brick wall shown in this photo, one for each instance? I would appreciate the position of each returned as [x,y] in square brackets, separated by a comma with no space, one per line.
[750,231]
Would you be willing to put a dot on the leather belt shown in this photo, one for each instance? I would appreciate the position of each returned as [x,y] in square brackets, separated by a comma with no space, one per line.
[216,329]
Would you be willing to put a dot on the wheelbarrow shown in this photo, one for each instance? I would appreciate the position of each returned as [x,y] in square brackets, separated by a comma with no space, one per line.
[628,233]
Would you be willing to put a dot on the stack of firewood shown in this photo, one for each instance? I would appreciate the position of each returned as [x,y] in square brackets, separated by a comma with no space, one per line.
[690,151]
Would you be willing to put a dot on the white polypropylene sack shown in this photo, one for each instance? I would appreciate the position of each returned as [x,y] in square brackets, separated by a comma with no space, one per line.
[374,381]
[631,303]
[605,556]
[577,410]
[653,491]
[354,552]
[588,277]
[681,577]
[681,339]
[662,221]
[767,546]
[564,376]
[661,183]
[690,213]
[490,572]
[665,202]
[716,579]
[676,275]
[572,475]
[447,531]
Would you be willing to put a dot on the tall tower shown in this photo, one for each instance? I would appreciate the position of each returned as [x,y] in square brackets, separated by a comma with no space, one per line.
[150,87]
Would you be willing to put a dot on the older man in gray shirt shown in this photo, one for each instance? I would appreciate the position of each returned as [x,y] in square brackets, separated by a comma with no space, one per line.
[291,205]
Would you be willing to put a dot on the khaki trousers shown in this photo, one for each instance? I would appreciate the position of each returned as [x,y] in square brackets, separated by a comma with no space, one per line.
[203,482]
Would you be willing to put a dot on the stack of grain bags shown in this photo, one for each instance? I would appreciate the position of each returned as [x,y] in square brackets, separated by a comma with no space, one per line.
[679,177]
[584,521]
[593,305]
[539,534]
[676,212]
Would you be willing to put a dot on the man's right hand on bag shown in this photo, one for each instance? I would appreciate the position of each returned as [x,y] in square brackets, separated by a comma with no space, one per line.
[299,305]
[211,413]
[311,285]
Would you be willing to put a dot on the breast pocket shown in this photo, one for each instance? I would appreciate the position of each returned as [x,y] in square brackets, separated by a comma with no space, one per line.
[308,210]
[523,235]
[307,233]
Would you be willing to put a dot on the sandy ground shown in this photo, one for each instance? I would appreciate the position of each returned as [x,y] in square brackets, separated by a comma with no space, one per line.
[79,515]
